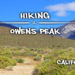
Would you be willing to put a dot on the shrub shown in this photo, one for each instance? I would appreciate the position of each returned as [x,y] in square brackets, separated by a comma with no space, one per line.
[72,72]
[19,60]
[30,53]
[50,67]
[6,53]
[5,61]
[37,58]
[40,55]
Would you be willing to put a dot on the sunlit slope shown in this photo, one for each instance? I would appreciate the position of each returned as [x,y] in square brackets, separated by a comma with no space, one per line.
[33,41]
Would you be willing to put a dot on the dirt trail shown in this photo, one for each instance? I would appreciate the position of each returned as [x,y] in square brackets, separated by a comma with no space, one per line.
[21,69]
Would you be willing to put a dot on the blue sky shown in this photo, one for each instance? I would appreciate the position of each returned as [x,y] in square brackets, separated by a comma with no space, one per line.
[60,10]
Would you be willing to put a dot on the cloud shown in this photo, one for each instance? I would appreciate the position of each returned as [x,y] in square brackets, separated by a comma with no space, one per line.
[61,9]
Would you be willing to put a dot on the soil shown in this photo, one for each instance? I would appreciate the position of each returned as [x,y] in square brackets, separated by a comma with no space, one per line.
[25,68]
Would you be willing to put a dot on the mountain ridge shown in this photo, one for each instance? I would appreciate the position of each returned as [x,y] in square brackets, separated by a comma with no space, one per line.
[33,41]
[68,30]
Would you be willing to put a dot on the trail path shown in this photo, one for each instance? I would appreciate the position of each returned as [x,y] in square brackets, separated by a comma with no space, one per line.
[21,69]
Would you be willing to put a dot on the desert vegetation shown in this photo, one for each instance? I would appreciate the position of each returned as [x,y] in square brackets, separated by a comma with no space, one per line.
[10,56]
[49,65]
[38,53]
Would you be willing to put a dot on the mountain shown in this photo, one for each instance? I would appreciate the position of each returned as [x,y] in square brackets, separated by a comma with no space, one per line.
[68,30]
[33,41]
[7,25]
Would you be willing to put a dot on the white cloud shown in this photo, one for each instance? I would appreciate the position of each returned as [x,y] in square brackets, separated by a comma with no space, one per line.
[61,9]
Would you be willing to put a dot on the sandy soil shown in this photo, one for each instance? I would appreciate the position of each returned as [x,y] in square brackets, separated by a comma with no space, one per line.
[21,69]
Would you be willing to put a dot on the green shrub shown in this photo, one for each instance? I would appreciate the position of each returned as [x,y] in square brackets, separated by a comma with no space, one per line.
[50,66]
[72,72]
[6,53]
[40,55]
[30,53]
[5,61]
[19,60]
[37,58]
[24,53]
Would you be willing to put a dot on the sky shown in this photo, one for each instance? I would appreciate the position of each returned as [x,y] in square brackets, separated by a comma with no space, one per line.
[60,10]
